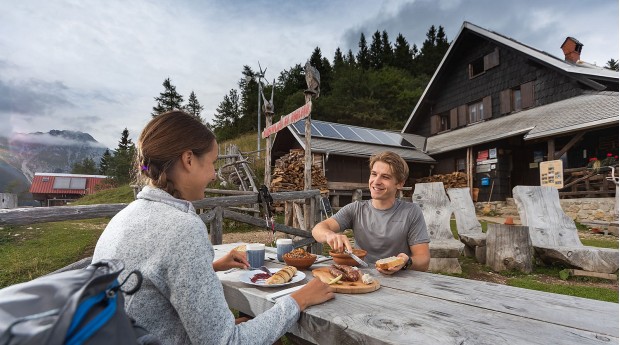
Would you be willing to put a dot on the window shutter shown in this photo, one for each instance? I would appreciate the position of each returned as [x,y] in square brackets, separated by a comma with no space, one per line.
[527,95]
[454,119]
[491,60]
[505,101]
[488,108]
[462,114]
[435,124]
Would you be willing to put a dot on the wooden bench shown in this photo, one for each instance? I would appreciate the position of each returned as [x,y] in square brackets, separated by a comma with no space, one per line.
[467,224]
[435,205]
[554,235]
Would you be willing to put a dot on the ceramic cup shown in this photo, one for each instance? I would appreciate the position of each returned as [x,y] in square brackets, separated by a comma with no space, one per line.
[283,246]
[256,254]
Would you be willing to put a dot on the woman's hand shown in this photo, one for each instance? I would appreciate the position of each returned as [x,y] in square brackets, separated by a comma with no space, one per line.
[315,292]
[234,259]
[395,269]
[338,241]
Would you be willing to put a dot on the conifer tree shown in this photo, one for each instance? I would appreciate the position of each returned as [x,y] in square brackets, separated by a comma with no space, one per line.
[121,167]
[350,59]
[194,107]
[386,49]
[363,54]
[168,100]
[104,163]
[375,54]
[87,167]
[403,58]
[227,115]
[338,59]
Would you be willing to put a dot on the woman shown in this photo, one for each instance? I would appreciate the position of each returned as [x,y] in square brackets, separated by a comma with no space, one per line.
[181,300]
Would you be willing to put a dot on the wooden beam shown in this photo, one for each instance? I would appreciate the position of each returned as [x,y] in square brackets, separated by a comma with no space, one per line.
[23,216]
[261,223]
[581,273]
[568,145]
[550,149]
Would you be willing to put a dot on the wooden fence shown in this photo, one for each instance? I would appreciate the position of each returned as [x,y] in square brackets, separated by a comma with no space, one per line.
[212,211]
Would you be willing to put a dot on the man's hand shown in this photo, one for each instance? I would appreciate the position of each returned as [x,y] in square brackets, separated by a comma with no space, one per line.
[234,259]
[338,241]
[395,269]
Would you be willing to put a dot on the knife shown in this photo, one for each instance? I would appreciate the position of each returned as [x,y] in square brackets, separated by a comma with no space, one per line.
[274,296]
[359,261]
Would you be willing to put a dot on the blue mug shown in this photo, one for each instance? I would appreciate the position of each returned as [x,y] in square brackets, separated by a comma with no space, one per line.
[283,246]
[256,254]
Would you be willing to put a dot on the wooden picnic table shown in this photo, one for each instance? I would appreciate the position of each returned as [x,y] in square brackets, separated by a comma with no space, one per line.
[426,308]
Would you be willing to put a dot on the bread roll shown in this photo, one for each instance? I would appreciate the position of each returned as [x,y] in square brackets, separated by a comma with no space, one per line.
[390,262]
[282,276]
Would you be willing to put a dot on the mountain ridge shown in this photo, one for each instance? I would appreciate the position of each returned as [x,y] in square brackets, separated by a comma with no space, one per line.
[56,151]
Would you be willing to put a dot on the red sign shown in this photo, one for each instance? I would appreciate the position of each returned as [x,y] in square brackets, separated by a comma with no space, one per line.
[298,114]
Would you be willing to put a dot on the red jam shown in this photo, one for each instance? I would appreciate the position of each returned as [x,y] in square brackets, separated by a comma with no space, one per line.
[259,276]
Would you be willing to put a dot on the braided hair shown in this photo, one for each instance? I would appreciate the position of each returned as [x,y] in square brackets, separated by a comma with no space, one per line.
[161,144]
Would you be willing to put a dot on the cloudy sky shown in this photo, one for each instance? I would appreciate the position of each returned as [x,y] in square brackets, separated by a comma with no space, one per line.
[95,66]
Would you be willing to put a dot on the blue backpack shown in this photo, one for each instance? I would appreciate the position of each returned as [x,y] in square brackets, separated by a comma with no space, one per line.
[82,306]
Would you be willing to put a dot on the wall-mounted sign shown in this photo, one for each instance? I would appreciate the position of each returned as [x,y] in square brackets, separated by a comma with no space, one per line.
[487,161]
[483,168]
[492,153]
[552,174]
[483,155]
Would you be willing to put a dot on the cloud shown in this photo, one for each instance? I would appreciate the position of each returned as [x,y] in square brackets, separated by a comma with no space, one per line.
[80,139]
[32,97]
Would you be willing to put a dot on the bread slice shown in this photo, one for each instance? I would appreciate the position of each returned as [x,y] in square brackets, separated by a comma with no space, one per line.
[240,248]
[390,262]
[282,276]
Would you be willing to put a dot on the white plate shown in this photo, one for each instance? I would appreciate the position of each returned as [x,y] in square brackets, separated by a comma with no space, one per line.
[247,276]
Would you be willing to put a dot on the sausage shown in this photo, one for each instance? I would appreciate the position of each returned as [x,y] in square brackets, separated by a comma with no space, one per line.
[349,273]
[335,271]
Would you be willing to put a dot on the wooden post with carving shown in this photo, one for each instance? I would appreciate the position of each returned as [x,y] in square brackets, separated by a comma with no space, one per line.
[313,80]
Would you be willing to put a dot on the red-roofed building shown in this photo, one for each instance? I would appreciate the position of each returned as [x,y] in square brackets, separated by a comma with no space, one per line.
[57,189]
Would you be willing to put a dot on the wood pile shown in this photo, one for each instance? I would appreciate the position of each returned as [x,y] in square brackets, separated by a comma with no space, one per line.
[452,180]
[288,173]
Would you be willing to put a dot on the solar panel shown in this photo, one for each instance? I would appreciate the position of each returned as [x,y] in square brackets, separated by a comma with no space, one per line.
[78,183]
[62,182]
[327,130]
[347,132]
[339,131]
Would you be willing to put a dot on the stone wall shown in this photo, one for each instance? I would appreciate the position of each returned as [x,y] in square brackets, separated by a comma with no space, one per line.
[581,210]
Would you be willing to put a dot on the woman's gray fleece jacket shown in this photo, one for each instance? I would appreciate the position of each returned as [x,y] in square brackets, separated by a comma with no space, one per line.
[181,300]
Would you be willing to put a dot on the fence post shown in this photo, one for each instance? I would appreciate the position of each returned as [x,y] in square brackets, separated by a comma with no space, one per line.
[217,226]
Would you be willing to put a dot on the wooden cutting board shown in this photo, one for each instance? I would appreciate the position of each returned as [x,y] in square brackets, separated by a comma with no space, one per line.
[346,287]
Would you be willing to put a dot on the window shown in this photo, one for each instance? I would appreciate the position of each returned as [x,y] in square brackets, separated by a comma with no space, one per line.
[445,123]
[483,64]
[461,164]
[476,67]
[476,112]
[517,98]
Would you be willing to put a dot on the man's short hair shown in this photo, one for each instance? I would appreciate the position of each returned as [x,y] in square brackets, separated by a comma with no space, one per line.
[397,164]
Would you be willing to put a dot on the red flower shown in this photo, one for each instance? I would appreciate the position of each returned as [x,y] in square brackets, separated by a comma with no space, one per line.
[592,159]
[609,155]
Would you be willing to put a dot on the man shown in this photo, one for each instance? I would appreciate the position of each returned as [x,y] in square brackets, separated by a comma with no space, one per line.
[383,226]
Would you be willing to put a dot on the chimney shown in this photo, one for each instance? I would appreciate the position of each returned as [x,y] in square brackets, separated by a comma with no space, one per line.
[572,49]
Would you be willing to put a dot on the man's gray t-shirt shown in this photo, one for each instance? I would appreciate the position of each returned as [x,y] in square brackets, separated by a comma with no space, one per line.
[383,233]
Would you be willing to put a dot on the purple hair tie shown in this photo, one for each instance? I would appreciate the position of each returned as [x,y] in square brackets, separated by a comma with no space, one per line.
[144,168]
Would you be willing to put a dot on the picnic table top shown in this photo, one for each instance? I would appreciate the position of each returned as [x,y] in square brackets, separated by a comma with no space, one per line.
[429,308]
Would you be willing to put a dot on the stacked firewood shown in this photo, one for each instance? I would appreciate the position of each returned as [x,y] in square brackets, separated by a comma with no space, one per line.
[288,173]
[452,180]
